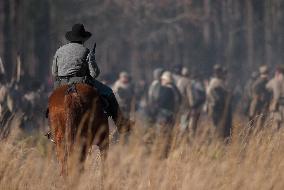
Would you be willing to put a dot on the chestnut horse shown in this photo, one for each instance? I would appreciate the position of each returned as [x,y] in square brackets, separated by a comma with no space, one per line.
[77,120]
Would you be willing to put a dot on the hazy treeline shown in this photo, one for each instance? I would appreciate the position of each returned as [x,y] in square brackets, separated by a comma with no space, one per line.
[139,36]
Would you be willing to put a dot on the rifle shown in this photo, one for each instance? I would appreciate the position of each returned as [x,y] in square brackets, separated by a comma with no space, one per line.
[94,48]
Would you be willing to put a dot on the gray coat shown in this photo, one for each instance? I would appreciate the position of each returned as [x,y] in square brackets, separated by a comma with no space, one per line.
[184,87]
[276,86]
[74,59]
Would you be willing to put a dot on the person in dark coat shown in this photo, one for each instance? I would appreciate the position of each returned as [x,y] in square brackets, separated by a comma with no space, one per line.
[261,97]
[197,100]
[168,101]
[219,102]
[154,93]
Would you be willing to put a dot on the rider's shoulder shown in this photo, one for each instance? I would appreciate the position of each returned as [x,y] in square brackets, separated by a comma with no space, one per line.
[71,46]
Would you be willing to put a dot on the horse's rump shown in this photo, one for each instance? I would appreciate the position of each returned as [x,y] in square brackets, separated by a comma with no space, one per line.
[76,113]
[74,105]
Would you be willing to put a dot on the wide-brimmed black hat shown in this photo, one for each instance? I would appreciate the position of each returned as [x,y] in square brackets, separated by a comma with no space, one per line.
[78,33]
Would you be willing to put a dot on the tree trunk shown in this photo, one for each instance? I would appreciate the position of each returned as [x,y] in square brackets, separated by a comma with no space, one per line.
[15,39]
[7,35]
[42,39]
[268,32]
[249,35]
[1,31]
[206,25]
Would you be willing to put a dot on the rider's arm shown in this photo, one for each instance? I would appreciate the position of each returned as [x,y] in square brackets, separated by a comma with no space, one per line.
[92,64]
[54,68]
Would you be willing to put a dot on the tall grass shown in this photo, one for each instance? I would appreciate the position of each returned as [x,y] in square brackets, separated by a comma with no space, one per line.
[249,161]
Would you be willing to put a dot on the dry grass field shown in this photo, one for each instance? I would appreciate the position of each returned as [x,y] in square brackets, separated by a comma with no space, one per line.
[254,161]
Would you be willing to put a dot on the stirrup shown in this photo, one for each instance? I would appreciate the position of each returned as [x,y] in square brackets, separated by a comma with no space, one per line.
[49,136]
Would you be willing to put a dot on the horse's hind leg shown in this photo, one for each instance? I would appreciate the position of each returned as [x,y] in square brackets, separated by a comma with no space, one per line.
[84,151]
[60,152]
[104,146]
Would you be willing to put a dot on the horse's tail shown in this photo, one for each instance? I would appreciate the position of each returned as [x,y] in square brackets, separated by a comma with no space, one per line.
[73,110]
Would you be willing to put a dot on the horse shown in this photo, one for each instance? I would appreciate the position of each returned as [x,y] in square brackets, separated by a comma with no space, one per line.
[77,121]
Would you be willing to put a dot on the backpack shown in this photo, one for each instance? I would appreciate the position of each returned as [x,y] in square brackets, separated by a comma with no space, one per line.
[198,94]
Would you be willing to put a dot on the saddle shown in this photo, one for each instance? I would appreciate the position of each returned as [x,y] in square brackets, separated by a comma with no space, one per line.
[68,80]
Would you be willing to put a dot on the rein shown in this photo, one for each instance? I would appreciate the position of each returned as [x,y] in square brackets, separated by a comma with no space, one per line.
[71,89]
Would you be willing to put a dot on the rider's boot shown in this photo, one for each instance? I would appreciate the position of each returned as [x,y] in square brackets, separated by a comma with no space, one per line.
[123,124]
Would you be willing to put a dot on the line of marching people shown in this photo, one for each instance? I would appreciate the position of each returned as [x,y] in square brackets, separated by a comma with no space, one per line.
[180,97]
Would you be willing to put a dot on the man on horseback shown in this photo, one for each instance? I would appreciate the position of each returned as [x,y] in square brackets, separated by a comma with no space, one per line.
[74,63]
